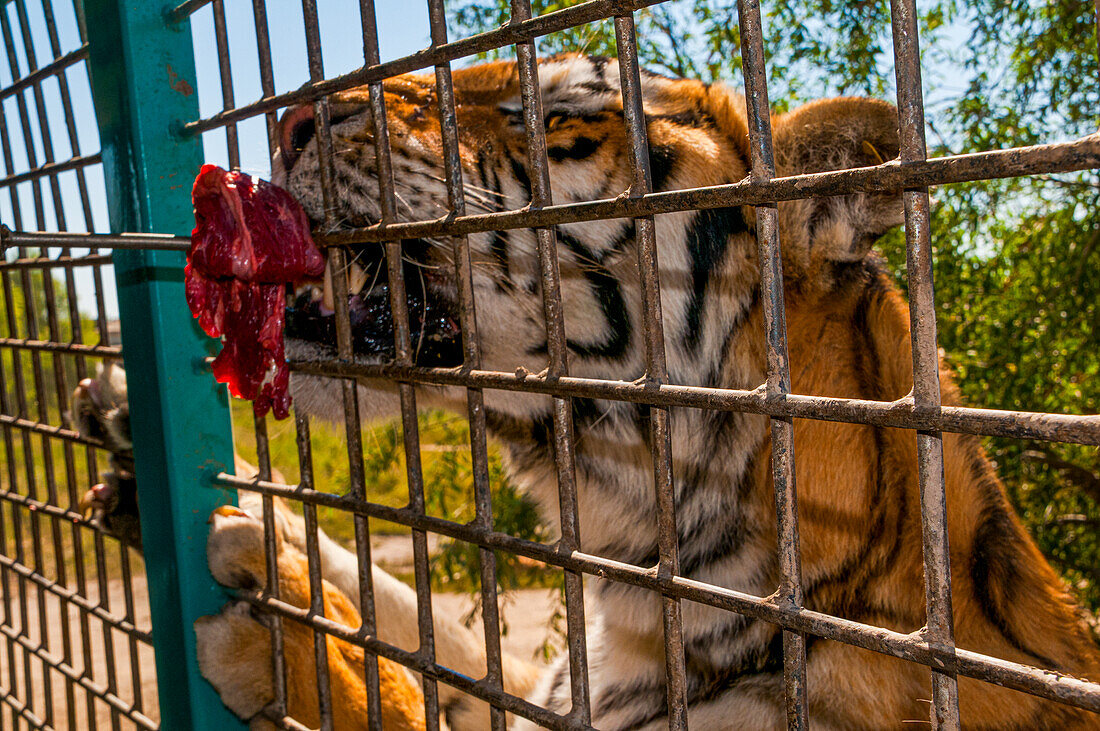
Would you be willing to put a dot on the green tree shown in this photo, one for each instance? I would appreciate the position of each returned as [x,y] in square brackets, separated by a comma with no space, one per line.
[1017,262]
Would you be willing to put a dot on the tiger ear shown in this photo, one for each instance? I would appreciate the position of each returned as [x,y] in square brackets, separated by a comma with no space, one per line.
[836,134]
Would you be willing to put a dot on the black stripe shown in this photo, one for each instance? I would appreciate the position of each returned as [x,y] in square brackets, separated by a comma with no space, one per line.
[609,295]
[662,158]
[500,241]
[994,569]
[707,240]
[521,176]
[581,148]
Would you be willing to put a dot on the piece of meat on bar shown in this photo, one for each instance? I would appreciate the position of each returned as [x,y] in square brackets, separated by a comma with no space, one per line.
[251,239]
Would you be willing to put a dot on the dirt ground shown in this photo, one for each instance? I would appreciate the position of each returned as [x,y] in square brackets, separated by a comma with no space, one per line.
[71,701]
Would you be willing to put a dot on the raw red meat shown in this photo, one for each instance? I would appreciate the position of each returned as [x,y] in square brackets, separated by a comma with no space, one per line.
[251,238]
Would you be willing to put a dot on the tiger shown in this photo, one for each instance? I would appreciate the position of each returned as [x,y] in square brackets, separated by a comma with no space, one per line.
[848,336]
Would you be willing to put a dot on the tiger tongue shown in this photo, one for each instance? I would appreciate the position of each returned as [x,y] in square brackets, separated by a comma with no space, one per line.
[251,238]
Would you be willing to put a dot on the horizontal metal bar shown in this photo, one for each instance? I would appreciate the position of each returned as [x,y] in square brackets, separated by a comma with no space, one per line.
[51,168]
[413,660]
[72,597]
[900,414]
[50,69]
[49,430]
[103,351]
[911,647]
[23,709]
[58,664]
[54,511]
[65,240]
[61,262]
[507,34]
[281,720]
[1081,154]
[185,10]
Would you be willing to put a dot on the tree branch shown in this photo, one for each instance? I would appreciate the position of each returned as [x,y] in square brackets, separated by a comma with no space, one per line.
[1083,477]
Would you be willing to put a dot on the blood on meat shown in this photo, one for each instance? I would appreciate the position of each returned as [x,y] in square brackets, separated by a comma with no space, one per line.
[251,239]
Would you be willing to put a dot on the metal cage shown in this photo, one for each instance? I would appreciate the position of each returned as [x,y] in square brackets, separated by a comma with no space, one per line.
[179,125]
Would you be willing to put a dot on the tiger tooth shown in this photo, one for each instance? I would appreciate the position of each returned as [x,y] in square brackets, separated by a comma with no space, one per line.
[357,278]
[327,300]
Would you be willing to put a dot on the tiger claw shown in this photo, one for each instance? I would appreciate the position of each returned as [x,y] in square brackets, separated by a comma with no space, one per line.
[97,500]
[227,511]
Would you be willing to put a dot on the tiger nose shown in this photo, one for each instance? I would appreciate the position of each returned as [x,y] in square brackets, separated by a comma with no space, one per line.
[296,129]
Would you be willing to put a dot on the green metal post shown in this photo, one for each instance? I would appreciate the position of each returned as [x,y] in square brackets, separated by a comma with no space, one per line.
[143,83]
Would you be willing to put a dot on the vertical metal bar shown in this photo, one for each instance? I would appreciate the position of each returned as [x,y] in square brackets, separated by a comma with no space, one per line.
[131,616]
[259,425]
[70,119]
[471,345]
[40,111]
[24,118]
[562,408]
[316,590]
[181,435]
[103,582]
[13,485]
[337,266]
[656,369]
[939,630]
[271,557]
[267,74]
[222,41]
[779,382]
[409,425]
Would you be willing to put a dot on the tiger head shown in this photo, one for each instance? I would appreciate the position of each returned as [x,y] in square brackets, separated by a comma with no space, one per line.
[698,136]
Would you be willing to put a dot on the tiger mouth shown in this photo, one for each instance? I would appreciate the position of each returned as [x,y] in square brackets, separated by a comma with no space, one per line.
[434,334]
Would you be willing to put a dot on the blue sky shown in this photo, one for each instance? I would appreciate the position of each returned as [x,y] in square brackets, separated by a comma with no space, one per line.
[403,28]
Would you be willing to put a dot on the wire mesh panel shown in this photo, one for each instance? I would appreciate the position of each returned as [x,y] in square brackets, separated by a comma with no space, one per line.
[77,650]
[393,223]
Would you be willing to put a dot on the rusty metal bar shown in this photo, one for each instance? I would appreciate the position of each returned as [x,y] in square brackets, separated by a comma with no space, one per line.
[506,35]
[73,163]
[316,590]
[482,689]
[471,347]
[61,262]
[54,68]
[403,355]
[118,706]
[939,629]
[898,414]
[267,73]
[127,241]
[122,624]
[336,268]
[912,647]
[221,40]
[656,370]
[558,365]
[49,346]
[1081,154]
[185,10]
[779,375]
[278,705]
